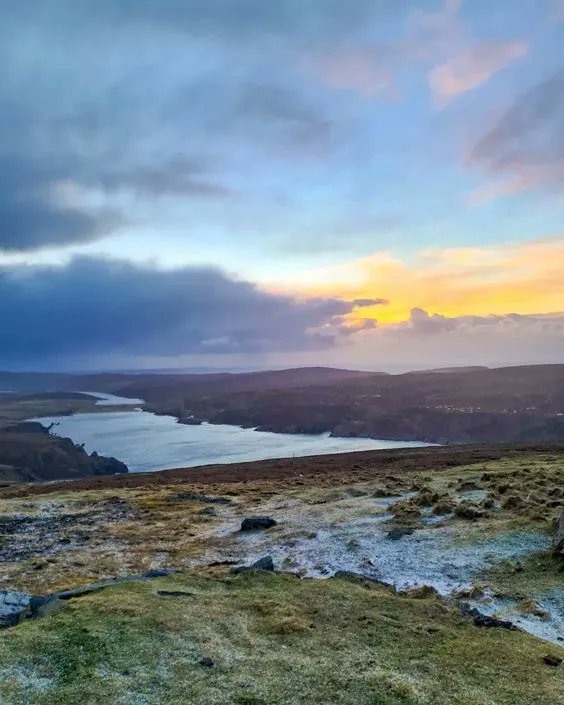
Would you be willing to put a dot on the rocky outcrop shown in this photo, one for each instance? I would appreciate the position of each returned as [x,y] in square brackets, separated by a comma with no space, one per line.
[485,620]
[558,538]
[29,453]
[27,427]
[190,421]
[266,563]
[14,607]
[257,523]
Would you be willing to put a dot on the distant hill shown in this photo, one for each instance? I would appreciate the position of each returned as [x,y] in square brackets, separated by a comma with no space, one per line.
[511,404]
[116,381]
[449,370]
[447,405]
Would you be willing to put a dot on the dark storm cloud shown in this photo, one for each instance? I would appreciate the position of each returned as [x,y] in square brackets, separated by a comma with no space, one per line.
[529,138]
[31,218]
[97,306]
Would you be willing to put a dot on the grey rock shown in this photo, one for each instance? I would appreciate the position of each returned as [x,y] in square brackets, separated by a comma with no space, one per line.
[485,620]
[349,575]
[44,606]
[158,573]
[265,563]
[14,607]
[257,523]
[190,421]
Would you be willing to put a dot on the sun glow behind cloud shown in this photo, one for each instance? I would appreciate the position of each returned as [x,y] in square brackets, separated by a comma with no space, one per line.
[480,281]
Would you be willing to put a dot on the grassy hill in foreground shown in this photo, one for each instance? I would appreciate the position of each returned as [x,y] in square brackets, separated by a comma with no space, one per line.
[206,636]
[270,640]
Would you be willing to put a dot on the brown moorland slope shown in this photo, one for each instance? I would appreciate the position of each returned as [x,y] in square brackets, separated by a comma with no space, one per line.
[512,404]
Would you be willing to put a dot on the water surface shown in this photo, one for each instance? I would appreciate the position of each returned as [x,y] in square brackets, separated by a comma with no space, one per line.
[147,442]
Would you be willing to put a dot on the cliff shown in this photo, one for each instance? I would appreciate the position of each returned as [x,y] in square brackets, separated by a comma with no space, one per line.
[29,453]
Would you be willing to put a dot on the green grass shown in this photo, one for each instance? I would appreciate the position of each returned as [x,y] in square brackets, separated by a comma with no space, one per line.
[274,640]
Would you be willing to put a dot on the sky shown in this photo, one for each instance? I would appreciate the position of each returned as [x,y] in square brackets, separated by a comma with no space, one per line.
[242,184]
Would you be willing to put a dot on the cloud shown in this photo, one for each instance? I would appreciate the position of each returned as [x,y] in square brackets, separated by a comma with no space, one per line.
[100,307]
[31,215]
[361,303]
[421,321]
[284,114]
[188,178]
[526,147]
[371,69]
[426,339]
[498,279]
[181,100]
[468,71]
[501,188]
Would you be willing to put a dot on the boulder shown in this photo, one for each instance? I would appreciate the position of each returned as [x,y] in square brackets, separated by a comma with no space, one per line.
[265,563]
[190,421]
[485,620]
[558,538]
[14,607]
[257,523]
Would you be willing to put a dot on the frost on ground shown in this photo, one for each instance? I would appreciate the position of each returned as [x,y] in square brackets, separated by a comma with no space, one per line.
[451,530]
[446,558]
[353,535]
[546,622]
